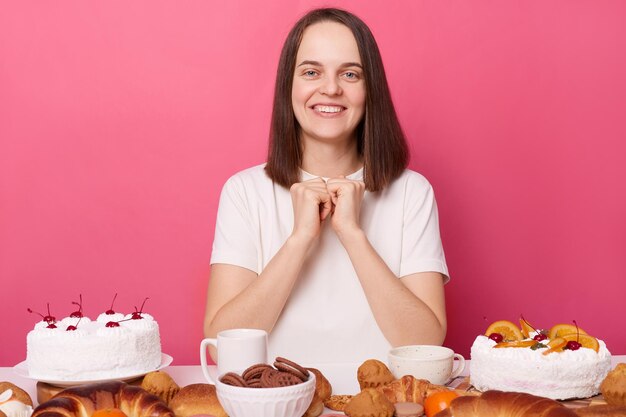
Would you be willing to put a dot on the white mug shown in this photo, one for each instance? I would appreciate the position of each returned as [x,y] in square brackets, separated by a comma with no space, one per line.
[434,363]
[237,349]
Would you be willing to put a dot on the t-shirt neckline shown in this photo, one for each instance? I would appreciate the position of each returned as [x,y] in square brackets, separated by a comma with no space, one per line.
[357,175]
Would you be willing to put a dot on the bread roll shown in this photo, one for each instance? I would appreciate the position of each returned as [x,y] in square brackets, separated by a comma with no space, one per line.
[369,403]
[197,399]
[315,408]
[83,400]
[505,404]
[18,393]
[373,373]
[160,384]
[613,387]
[323,389]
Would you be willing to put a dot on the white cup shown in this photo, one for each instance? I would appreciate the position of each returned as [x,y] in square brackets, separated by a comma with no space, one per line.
[237,349]
[434,363]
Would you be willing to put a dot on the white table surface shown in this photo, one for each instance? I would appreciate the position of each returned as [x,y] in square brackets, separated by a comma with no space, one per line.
[341,376]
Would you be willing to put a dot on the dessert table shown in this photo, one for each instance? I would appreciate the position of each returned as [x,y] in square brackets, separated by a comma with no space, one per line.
[341,376]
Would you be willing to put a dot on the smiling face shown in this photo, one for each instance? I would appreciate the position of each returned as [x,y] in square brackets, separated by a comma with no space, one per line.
[328,94]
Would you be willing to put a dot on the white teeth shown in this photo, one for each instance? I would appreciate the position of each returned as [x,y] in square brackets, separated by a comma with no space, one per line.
[328,109]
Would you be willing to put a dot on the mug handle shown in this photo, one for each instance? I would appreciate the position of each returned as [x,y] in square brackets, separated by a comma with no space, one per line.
[203,362]
[460,367]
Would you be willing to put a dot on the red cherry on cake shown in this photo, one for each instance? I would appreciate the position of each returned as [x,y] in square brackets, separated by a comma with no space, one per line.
[496,337]
[51,326]
[540,337]
[78,314]
[573,345]
[71,328]
[48,319]
[110,311]
[137,314]
[112,324]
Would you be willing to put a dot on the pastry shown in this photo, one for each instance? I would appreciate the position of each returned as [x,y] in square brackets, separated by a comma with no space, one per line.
[613,387]
[197,399]
[373,373]
[17,394]
[505,404]
[160,384]
[337,402]
[323,389]
[561,363]
[409,389]
[315,408]
[83,400]
[369,403]
[603,410]
[77,348]
[14,401]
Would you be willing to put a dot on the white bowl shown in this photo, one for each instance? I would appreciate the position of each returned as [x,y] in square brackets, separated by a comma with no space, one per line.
[291,401]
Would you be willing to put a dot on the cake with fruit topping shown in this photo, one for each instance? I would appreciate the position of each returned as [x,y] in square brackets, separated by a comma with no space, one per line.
[561,363]
[80,349]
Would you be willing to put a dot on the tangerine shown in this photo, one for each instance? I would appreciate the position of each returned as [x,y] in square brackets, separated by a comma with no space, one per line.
[506,328]
[438,401]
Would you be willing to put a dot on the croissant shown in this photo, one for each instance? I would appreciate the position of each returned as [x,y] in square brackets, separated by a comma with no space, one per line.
[82,401]
[505,404]
[409,389]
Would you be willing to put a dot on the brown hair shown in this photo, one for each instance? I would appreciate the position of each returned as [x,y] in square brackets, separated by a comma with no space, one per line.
[380,140]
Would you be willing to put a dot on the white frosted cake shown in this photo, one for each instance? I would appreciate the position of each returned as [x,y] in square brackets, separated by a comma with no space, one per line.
[93,350]
[559,375]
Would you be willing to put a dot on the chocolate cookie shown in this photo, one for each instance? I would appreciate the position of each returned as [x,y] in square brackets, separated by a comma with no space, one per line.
[233,379]
[266,378]
[254,371]
[285,379]
[293,368]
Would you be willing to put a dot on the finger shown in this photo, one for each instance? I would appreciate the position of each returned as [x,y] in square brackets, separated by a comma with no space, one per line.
[325,209]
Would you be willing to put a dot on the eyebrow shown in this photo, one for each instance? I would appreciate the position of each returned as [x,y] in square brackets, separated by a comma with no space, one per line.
[319,64]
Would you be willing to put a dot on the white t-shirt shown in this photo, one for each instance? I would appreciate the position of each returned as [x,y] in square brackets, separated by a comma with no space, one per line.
[327,317]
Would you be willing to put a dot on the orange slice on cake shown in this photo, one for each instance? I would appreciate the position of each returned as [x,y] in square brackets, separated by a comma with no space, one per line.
[527,329]
[584,339]
[507,329]
[555,345]
[560,330]
[516,344]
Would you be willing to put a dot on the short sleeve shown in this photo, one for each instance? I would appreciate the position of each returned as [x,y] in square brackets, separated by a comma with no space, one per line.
[234,241]
[422,250]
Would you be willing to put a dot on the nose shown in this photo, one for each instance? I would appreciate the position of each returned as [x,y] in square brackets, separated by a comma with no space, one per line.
[330,87]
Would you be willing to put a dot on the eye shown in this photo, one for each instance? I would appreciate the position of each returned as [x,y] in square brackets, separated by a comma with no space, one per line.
[310,73]
[351,75]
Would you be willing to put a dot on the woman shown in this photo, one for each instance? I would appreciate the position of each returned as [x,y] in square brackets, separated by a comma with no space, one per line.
[333,246]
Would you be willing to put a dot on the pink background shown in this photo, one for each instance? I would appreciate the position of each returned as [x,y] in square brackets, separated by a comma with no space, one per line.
[120,121]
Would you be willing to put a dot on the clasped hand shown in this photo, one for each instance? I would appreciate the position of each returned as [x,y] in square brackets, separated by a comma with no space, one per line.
[315,200]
